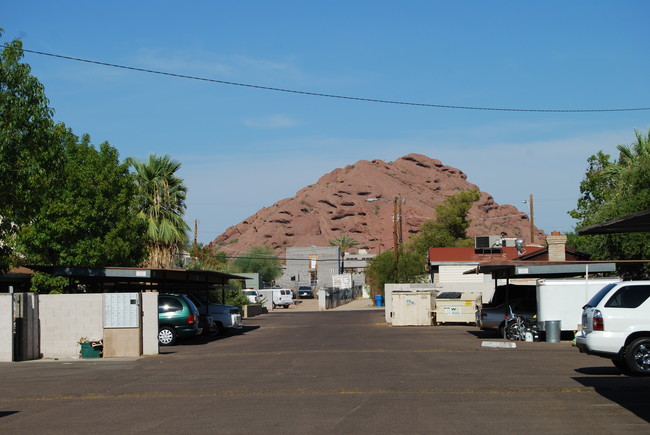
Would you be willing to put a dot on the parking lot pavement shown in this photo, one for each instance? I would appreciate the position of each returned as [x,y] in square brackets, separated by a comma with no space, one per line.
[340,371]
[312,305]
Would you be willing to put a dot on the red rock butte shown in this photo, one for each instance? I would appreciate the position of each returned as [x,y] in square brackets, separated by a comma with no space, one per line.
[339,204]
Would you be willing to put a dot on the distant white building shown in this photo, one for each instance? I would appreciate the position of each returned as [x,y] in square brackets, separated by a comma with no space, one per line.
[312,265]
[315,266]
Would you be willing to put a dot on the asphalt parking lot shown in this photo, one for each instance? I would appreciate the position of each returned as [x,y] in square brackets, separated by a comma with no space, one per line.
[342,371]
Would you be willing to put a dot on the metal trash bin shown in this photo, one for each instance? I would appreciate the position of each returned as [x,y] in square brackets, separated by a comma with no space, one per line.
[379,300]
[553,330]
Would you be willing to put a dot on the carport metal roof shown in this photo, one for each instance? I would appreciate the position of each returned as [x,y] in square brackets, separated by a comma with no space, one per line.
[541,269]
[114,279]
[633,223]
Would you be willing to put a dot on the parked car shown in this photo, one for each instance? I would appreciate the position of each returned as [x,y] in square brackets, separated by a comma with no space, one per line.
[305,291]
[616,325]
[206,323]
[494,317]
[253,296]
[225,316]
[178,317]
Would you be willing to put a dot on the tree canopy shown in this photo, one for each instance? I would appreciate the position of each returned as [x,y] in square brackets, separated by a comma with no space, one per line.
[449,228]
[30,153]
[262,260]
[611,189]
[89,217]
[344,242]
[161,201]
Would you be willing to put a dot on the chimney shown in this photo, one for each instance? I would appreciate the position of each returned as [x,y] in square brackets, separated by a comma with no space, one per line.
[556,246]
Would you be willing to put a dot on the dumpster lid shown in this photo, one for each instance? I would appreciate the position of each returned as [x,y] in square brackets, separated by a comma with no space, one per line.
[449,295]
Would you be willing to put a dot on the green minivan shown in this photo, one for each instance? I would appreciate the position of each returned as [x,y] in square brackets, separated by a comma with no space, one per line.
[178,317]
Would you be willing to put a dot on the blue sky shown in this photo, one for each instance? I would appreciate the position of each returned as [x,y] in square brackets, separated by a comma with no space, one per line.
[242,148]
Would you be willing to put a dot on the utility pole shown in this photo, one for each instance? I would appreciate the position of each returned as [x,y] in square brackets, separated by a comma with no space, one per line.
[532,220]
[196,232]
[397,231]
[395,239]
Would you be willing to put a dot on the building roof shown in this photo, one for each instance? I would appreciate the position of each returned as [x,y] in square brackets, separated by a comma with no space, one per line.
[472,255]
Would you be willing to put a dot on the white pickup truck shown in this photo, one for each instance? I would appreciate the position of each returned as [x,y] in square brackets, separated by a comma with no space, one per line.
[616,325]
[225,316]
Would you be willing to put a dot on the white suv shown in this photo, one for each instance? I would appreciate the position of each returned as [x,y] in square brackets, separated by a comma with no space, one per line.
[616,325]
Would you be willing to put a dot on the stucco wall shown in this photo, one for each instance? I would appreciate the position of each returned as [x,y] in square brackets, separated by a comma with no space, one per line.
[6,327]
[67,318]
[149,303]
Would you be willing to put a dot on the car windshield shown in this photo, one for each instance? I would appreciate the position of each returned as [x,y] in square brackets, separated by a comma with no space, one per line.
[595,300]
[250,292]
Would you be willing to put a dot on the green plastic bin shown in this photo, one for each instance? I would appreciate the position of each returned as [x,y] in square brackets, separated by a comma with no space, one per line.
[90,351]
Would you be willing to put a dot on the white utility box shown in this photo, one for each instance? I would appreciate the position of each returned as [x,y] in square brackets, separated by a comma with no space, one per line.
[413,308]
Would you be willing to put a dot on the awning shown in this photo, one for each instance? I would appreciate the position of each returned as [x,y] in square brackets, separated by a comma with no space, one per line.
[633,223]
[541,269]
[115,279]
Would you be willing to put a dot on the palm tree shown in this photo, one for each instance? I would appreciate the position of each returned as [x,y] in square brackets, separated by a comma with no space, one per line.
[344,242]
[630,155]
[161,199]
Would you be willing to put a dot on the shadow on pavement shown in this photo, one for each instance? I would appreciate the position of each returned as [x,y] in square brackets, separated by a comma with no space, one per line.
[629,392]
[483,334]
[7,413]
[205,339]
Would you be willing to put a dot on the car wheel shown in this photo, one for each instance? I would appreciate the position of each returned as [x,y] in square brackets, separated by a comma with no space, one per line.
[512,331]
[286,306]
[501,330]
[637,357]
[220,329]
[621,365]
[166,336]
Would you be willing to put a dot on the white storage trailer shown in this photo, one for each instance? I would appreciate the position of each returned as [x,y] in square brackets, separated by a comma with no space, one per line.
[563,299]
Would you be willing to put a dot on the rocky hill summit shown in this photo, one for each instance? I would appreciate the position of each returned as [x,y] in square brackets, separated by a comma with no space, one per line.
[358,200]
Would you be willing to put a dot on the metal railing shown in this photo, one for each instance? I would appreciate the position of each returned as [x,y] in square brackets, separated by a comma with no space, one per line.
[337,297]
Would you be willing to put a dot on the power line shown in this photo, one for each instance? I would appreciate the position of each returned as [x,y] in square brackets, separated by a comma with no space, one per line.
[342,97]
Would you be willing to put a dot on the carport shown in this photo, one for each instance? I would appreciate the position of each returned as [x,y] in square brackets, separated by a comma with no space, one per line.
[120,279]
[113,303]
[638,222]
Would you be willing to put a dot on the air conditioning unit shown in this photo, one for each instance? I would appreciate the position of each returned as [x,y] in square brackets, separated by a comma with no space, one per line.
[487,242]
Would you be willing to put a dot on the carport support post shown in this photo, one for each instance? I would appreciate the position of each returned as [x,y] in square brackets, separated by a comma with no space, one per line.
[505,325]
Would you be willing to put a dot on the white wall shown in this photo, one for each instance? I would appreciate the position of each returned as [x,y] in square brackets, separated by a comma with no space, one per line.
[6,327]
[149,323]
[455,273]
[65,319]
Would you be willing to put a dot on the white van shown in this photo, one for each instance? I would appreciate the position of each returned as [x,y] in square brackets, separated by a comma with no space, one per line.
[282,297]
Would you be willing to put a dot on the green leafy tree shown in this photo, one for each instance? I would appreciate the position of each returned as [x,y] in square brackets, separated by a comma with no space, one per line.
[30,155]
[381,269]
[262,260]
[161,198]
[344,242]
[613,189]
[450,226]
[207,258]
[45,283]
[89,218]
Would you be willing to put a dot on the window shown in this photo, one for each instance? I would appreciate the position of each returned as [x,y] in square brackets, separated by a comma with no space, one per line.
[166,305]
[629,297]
